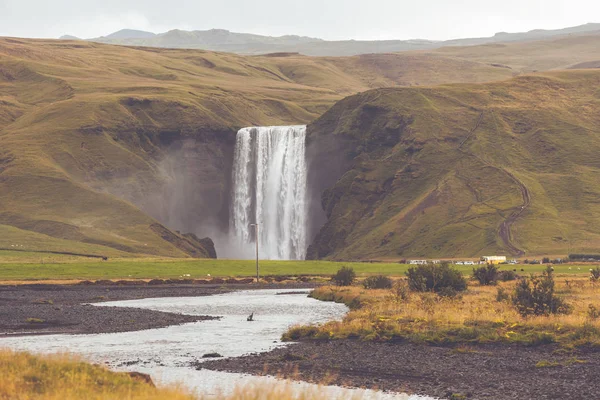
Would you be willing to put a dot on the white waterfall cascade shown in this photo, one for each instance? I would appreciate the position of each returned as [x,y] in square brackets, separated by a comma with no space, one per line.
[269,188]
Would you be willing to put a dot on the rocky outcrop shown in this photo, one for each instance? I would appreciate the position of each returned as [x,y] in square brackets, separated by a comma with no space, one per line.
[188,243]
[207,243]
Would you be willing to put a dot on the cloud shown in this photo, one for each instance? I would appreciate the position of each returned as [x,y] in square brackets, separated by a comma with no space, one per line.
[330,19]
[101,25]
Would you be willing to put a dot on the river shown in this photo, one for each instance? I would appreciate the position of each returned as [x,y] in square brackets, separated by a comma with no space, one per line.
[166,353]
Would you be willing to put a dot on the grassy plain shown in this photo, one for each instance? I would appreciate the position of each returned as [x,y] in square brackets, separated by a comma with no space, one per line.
[477,316]
[16,266]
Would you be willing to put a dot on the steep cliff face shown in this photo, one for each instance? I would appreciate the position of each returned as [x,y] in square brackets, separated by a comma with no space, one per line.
[460,170]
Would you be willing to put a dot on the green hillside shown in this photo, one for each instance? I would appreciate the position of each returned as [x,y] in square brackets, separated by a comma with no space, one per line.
[101,144]
[464,170]
[120,151]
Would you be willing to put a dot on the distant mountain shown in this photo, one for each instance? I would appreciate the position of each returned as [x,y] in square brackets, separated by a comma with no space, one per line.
[69,37]
[536,34]
[125,34]
[245,43]
[213,39]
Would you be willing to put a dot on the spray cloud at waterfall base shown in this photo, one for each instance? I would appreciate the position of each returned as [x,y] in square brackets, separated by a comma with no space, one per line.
[269,188]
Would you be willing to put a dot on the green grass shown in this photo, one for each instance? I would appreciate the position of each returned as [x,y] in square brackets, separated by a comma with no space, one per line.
[439,170]
[31,269]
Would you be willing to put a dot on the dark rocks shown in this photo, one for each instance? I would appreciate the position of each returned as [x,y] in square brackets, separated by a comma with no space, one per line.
[138,376]
[188,243]
[130,283]
[209,245]
[211,355]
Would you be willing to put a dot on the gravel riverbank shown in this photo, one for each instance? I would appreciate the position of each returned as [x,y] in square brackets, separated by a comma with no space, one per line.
[499,372]
[49,309]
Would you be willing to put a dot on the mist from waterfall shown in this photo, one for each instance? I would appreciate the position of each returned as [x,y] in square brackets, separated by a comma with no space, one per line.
[269,187]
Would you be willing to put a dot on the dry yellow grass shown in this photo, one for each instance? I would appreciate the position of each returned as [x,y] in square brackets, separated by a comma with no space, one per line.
[24,376]
[285,390]
[63,377]
[477,316]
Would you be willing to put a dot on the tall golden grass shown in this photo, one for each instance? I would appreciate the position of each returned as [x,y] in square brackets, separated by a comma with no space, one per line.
[476,316]
[285,390]
[25,376]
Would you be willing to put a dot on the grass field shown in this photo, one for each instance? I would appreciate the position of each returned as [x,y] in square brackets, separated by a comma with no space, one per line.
[478,315]
[41,266]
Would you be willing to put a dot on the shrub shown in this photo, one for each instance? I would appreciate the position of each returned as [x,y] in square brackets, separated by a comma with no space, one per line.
[378,282]
[584,256]
[449,292]
[435,278]
[487,275]
[401,291]
[300,332]
[344,277]
[506,276]
[502,295]
[593,312]
[535,295]
[595,274]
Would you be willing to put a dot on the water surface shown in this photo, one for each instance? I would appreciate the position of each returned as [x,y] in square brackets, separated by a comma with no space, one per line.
[166,353]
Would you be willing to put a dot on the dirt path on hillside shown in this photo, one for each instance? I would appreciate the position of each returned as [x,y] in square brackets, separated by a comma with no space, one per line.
[504,231]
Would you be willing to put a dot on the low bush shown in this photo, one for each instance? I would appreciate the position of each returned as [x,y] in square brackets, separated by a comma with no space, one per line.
[487,275]
[595,257]
[506,276]
[535,296]
[344,277]
[502,295]
[301,332]
[593,312]
[595,274]
[378,282]
[435,278]
[401,291]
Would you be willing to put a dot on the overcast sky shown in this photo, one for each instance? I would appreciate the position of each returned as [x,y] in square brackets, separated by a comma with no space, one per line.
[327,19]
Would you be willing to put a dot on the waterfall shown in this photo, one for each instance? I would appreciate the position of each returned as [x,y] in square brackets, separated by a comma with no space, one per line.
[269,187]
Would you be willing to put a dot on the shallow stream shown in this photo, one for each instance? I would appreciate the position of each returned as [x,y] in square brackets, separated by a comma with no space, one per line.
[166,353]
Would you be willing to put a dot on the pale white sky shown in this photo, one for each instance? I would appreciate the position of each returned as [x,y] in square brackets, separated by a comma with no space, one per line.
[327,19]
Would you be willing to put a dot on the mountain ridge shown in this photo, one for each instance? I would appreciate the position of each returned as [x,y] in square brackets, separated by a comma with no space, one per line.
[246,43]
